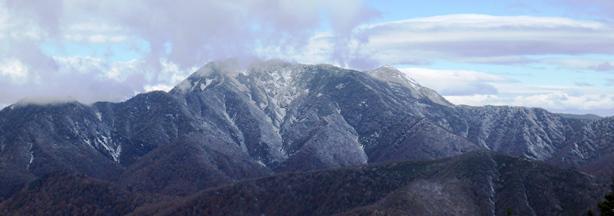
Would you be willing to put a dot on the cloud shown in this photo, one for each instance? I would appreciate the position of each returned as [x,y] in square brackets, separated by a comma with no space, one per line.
[171,39]
[556,102]
[491,39]
[158,87]
[192,32]
[45,15]
[583,84]
[177,36]
[596,65]
[604,66]
[565,101]
[457,82]
[14,70]
[88,79]
[484,88]
[90,32]
[502,60]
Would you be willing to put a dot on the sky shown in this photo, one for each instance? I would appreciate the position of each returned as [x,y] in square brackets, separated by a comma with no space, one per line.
[554,54]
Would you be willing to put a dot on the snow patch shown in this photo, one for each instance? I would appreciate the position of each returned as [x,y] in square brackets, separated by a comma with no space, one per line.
[281,85]
[338,109]
[375,134]
[261,163]
[203,86]
[361,146]
[105,142]
[115,154]
[410,81]
[99,116]
[31,158]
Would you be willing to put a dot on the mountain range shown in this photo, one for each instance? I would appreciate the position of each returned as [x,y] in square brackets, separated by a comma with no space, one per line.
[274,137]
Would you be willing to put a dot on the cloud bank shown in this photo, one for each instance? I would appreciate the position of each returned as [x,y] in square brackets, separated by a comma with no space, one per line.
[110,50]
[480,88]
[483,39]
[71,47]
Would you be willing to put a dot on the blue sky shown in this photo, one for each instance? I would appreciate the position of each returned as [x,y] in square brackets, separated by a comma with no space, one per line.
[555,54]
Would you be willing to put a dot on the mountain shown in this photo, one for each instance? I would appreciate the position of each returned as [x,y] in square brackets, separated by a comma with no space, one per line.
[581,117]
[228,122]
[37,140]
[600,135]
[109,141]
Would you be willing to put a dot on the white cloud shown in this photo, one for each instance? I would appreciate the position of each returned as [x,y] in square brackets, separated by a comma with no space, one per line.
[3,22]
[482,88]
[601,104]
[471,37]
[96,38]
[123,71]
[181,35]
[158,87]
[177,36]
[15,70]
[583,64]
[457,82]
[486,22]
[198,31]
[171,73]
[95,32]
[318,49]
[85,79]
[565,101]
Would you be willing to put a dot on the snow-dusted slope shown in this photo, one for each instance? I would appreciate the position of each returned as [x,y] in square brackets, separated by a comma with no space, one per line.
[229,121]
[297,117]
[375,108]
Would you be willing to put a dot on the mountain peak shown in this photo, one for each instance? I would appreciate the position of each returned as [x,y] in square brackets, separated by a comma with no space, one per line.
[391,74]
[229,70]
[278,74]
[233,67]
